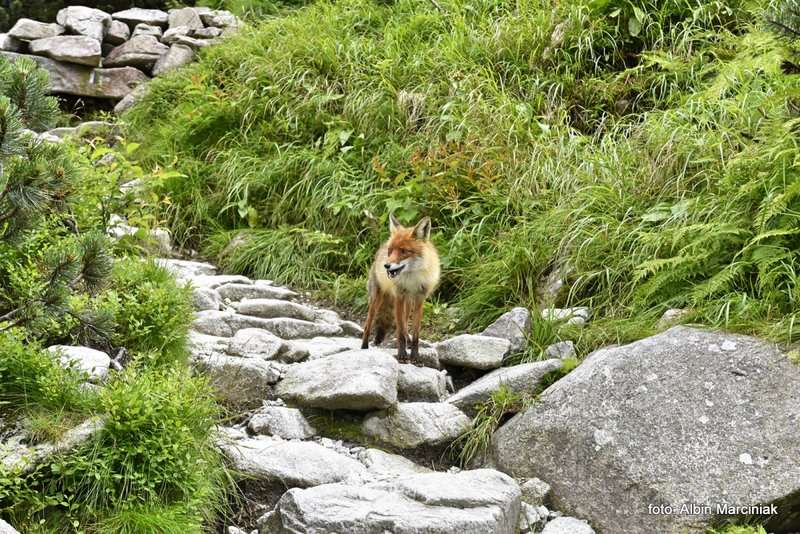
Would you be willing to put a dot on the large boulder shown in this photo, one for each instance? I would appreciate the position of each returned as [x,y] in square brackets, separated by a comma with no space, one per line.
[141,52]
[134,16]
[146,29]
[682,418]
[567,525]
[85,21]
[514,325]
[30,30]
[410,425]
[186,17]
[90,361]
[219,19]
[240,382]
[473,351]
[5,528]
[295,464]
[77,49]
[352,380]
[521,379]
[79,80]
[177,56]
[483,501]
[118,33]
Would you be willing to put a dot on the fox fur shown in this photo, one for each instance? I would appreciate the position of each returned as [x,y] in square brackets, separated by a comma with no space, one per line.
[405,272]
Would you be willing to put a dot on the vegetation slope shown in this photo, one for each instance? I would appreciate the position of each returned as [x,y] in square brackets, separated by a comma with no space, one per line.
[645,151]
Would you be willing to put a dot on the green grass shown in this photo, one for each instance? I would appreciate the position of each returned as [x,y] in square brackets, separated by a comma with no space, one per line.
[646,152]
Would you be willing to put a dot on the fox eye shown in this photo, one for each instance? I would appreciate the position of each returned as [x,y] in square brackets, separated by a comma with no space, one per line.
[404,251]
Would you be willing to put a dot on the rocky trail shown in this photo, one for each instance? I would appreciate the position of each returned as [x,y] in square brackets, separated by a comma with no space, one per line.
[294,371]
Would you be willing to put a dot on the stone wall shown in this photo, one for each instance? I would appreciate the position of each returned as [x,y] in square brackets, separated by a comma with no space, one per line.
[91,53]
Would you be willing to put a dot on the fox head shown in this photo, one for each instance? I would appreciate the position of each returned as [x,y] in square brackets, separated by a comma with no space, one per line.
[406,246]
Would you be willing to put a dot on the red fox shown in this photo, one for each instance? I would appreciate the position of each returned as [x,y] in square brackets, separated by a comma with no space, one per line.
[405,271]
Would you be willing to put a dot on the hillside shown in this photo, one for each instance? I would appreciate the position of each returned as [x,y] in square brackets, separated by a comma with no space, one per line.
[645,155]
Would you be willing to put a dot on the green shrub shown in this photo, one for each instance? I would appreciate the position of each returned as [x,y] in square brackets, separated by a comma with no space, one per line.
[153,463]
[151,312]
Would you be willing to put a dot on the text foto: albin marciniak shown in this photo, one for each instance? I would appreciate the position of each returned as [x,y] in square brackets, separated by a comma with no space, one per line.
[709,509]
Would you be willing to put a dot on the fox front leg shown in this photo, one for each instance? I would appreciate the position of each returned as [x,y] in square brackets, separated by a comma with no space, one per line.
[401,324]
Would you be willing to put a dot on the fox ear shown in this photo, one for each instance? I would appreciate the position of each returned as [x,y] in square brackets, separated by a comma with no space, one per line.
[423,229]
[394,224]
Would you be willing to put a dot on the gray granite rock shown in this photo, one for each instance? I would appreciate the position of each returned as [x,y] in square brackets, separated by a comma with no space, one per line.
[80,80]
[5,528]
[514,325]
[473,351]
[570,316]
[286,423]
[470,502]
[255,343]
[421,384]
[561,350]
[69,48]
[134,16]
[86,21]
[186,268]
[187,17]
[90,361]
[296,464]
[567,525]
[177,56]
[239,382]
[522,379]
[118,33]
[204,298]
[535,492]
[686,416]
[30,30]
[318,347]
[352,380]
[239,291]
[386,464]
[147,29]
[219,19]
[410,425]
[274,308]
[141,52]
[10,44]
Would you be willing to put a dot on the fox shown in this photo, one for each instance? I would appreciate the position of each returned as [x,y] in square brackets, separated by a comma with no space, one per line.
[405,272]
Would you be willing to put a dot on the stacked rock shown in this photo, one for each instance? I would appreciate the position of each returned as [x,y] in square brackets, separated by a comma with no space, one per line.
[91,53]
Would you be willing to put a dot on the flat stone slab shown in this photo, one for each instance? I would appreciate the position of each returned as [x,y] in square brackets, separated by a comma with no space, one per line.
[226,324]
[298,464]
[239,291]
[483,501]
[273,308]
[80,80]
[386,464]
[30,30]
[141,51]
[319,347]
[281,421]
[69,48]
[134,16]
[522,379]
[410,425]
[352,380]
[238,381]
[473,351]
[684,417]
[186,268]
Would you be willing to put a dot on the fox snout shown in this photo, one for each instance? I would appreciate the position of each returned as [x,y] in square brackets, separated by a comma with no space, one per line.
[393,269]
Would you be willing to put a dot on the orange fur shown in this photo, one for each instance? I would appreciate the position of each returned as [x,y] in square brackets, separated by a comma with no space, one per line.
[416,260]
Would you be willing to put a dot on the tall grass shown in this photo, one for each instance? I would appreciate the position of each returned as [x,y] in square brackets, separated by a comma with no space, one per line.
[649,151]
